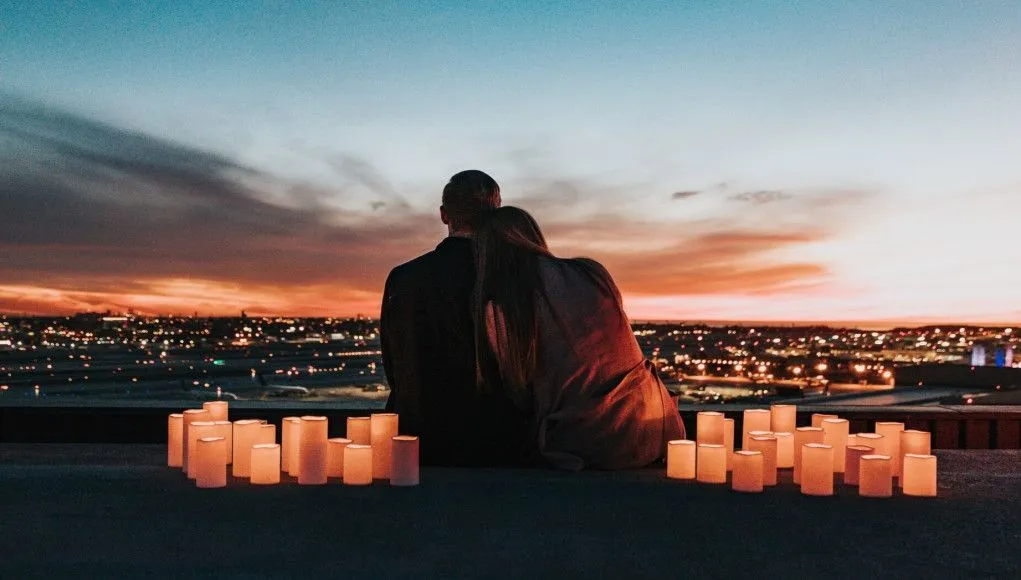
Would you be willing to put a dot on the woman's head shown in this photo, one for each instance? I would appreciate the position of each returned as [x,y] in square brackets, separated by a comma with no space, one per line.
[509,229]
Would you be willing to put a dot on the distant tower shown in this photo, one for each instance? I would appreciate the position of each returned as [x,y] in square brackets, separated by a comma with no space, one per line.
[978,355]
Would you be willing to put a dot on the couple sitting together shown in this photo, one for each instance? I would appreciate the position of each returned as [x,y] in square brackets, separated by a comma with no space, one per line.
[497,352]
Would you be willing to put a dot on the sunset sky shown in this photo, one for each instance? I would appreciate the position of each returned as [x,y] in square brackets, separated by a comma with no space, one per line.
[788,161]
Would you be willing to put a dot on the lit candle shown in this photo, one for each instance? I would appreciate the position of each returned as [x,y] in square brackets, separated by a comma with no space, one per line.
[834,434]
[359,430]
[784,450]
[916,442]
[335,456]
[404,461]
[818,418]
[817,469]
[189,417]
[919,477]
[225,429]
[196,431]
[802,437]
[680,459]
[382,430]
[872,440]
[852,439]
[217,410]
[783,418]
[265,461]
[290,444]
[709,427]
[875,477]
[246,432]
[267,435]
[357,464]
[754,420]
[767,446]
[210,462]
[312,451]
[728,440]
[890,430]
[711,463]
[175,439]
[747,471]
[852,465]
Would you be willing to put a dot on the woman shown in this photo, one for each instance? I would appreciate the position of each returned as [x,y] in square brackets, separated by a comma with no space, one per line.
[554,332]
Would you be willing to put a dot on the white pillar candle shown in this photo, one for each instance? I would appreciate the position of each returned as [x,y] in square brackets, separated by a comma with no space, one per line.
[767,446]
[264,459]
[890,430]
[335,456]
[382,430]
[210,462]
[246,432]
[196,431]
[709,427]
[358,464]
[919,477]
[225,429]
[175,440]
[818,418]
[875,476]
[802,437]
[289,445]
[872,440]
[834,434]
[359,430]
[783,418]
[747,471]
[680,459]
[754,420]
[728,440]
[852,465]
[817,469]
[711,463]
[784,450]
[404,461]
[189,417]
[912,441]
[217,410]
[267,435]
[312,451]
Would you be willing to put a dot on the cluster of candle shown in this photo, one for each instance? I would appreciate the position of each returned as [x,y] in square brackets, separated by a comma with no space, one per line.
[203,443]
[817,455]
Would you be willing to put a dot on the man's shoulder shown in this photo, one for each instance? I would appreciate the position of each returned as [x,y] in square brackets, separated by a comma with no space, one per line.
[447,253]
[413,267]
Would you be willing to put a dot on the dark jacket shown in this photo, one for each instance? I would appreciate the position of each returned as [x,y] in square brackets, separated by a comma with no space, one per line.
[427,337]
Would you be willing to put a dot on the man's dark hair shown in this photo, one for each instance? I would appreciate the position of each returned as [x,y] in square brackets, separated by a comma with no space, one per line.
[467,195]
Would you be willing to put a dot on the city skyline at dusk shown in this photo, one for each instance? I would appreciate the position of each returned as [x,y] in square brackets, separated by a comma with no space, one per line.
[807,161]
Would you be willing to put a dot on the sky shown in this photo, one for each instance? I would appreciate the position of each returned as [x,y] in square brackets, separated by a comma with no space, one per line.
[767,161]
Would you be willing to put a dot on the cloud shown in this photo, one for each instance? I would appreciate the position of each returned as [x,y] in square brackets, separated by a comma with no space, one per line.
[684,194]
[761,197]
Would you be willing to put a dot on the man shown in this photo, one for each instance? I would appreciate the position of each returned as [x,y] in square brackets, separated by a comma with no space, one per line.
[427,337]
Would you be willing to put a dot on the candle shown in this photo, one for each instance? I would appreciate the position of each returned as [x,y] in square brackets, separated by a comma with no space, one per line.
[784,450]
[852,439]
[875,477]
[852,465]
[818,418]
[265,461]
[196,431]
[189,417]
[754,420]
[267,435]
[217,410]
[912,441]
[834,434]
[747,471]
[246,432]
[783,418]
[802,437]
[766,445]
[335,456]
[357,464]
[382,430]
[711,463]
[919,477]
[358,430]
[817,469]
[404,461]
[312,451]
[680,459]
[175,439]
[872,440]
[890,430]
[728,440]
[709,427]
[210,462]
[290,444]
[225,429]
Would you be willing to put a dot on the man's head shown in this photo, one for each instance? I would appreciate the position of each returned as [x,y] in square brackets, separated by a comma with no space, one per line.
[465,197]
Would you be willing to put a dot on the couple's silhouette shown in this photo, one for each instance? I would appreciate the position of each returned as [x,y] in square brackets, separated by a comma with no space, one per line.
[500,353]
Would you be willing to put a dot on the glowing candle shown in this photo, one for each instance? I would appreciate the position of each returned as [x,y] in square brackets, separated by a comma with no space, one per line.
[217,410]
[784,450]
[747,471]
[852,439]
[711,463]
[312,451]
[783,418]
[404,461]
[767,445]
[852,464]
[189,417]
[358,464]
[265,461]
[754,420]
[245,433]
[728,440]
[680,459]
[916,442]
[919,477]
[175,440]
[818,418]
[290,444]
[335,456]
[382,430]
[359,430]
[872,440]
[267,435]
[834,434]
[225,429]
[196,431]
[817,469]
[802,437]
[890,430]
[875,477]
[709,427]
[210,462]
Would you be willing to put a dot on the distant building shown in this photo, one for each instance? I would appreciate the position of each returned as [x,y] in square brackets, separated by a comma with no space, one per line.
[978,355]
[1008,356]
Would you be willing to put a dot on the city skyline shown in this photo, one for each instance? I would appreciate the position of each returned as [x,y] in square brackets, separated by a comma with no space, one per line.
[804,162]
